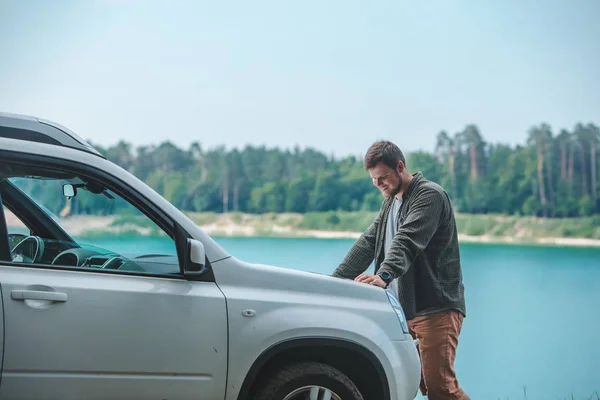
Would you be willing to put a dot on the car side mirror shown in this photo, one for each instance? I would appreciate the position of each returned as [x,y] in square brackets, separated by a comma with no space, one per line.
[195,262]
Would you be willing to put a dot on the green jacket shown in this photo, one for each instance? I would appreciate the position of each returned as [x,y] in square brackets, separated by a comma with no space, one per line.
[424,255]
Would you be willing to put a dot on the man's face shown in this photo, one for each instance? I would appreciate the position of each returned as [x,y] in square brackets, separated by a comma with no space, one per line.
[387,179]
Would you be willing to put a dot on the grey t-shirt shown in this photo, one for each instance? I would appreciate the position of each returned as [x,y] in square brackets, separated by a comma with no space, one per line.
[392,224]
[390,231]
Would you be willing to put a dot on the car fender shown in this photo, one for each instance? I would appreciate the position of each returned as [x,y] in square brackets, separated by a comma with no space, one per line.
[258,333]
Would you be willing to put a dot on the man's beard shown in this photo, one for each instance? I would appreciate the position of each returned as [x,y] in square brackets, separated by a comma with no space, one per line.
[394,191]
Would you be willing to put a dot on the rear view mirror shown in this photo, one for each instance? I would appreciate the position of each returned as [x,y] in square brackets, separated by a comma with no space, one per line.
[69,191]
[196,258]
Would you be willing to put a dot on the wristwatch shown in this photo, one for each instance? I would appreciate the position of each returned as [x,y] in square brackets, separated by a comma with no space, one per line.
[387,278]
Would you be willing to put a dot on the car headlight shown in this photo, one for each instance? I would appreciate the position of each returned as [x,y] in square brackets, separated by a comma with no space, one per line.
[398,309]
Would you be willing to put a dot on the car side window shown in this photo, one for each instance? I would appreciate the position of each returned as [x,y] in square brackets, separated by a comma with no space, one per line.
[75,222]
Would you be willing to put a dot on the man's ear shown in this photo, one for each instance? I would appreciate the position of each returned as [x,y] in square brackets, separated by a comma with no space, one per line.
[400,167]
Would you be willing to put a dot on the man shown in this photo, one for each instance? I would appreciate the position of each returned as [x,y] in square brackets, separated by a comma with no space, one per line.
[413,241]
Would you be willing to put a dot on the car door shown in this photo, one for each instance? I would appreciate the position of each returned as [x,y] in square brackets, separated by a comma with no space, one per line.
[72,334]
[1,333]
[96,329]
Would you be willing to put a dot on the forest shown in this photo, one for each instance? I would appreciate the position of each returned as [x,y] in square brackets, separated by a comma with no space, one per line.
[551,174]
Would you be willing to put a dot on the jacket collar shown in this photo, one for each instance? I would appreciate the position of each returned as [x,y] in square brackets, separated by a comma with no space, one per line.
[417,178]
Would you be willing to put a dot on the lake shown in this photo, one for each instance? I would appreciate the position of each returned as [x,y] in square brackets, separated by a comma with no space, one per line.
[533,325]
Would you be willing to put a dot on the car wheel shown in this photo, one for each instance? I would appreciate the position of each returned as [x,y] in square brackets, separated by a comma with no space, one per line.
[308,381]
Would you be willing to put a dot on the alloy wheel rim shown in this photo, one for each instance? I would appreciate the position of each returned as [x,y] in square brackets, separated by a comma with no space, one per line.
[312,392]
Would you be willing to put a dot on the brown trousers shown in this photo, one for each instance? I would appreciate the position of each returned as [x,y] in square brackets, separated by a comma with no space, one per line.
[438,339]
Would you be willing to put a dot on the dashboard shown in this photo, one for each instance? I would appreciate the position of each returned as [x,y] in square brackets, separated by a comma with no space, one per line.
[37,250]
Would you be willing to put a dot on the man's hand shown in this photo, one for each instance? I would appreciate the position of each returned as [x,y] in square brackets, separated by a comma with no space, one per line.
[371,279]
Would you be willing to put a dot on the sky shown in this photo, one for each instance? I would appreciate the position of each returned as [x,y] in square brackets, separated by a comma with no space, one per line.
[331,75]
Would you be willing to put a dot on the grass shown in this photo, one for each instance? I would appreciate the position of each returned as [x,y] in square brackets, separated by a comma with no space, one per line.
[203,218]
[481,225]
[525,229]
[135,220]
[491,225]
[92,234]
[337,221]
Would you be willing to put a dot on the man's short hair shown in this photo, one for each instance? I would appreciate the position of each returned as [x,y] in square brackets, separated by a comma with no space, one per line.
[385,152]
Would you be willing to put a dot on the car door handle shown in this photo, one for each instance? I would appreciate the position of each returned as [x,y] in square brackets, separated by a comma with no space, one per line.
[37,295]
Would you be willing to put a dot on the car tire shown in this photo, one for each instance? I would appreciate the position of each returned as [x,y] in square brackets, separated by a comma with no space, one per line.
[294,382]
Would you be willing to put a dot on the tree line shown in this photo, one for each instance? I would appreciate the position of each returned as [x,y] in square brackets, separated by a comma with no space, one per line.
[552,174]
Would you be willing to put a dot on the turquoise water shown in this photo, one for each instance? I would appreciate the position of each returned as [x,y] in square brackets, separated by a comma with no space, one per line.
[533,323]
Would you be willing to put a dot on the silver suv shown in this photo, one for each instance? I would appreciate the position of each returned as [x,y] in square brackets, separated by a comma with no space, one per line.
[169,315]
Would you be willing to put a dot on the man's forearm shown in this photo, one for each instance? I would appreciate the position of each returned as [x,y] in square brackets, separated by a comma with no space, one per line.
[357,260]
[360,255]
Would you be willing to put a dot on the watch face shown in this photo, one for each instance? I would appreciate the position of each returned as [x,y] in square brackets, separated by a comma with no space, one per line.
[385,276]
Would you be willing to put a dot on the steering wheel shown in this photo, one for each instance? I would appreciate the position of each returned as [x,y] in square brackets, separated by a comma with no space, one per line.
[15,238]
[29,250]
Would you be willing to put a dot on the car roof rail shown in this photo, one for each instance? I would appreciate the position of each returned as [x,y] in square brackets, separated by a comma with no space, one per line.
[33,129]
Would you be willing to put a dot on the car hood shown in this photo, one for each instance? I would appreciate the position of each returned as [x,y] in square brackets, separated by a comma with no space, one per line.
[262,276]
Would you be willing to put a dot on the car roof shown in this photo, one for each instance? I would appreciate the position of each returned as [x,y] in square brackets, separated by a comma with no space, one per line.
[34,129]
